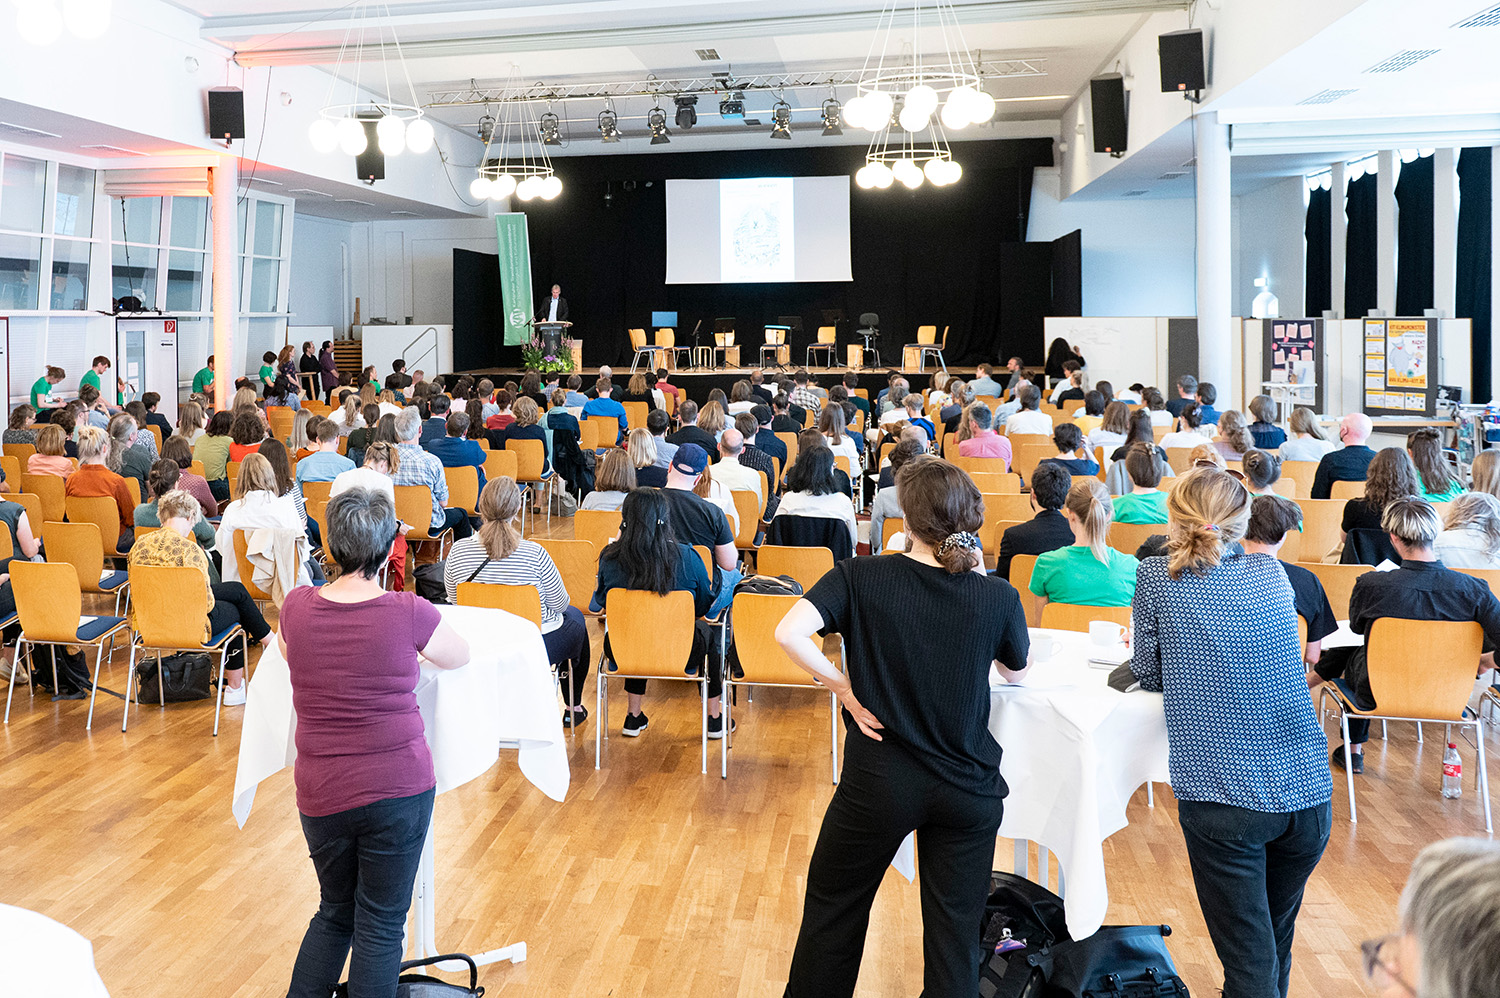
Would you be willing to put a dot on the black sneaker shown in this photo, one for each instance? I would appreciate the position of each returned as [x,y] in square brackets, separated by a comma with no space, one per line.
[716,727]
[1358,758]
[635,724]
[573,718]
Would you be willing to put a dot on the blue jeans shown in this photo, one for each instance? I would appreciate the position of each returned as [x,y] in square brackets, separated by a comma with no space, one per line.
[366,860]
[728,579]
[1250,868]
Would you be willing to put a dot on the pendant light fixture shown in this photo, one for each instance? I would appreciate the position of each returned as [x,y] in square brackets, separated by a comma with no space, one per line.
[399,127]
[515,158]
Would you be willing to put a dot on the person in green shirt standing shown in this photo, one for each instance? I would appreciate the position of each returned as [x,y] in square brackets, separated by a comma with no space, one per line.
[203,381]
[1089,573]
[267,372]
[41,392]
[94,375]
[1145,503]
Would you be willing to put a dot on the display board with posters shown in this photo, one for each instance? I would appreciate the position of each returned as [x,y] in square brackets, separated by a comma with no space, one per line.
[1293,354]
[1398,376]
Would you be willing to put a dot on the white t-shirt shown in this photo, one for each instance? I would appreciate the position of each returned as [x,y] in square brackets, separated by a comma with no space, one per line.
[1305,449]
[1185,438]
[363,478]
[1029,421]
[1161,417]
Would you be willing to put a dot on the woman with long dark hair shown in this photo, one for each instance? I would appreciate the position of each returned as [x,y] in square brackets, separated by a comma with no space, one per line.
[1058,354]
[919,755]
[647,557]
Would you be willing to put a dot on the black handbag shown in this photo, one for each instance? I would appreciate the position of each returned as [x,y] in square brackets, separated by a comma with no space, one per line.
[185,676]
[424,986]
[1118,961]
[1022,921]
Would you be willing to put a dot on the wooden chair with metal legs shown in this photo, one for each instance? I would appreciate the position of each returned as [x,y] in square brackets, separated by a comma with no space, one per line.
[1338,583]
[78,545]
[577,562]
[414,508]
[35,512]
[463,489]
[501,464]
[1432,686]
[1128,537]
[775,340]
[50,608]
[764,663]
[523,601]
[597,526]
[643,350]
[648,637]
[104,514]
[52,491]
[1076,617]
[171,614]
[316,492]
[827,344]
[1021,567]
[666,346]
[927,344]
[805,565]
[247,569]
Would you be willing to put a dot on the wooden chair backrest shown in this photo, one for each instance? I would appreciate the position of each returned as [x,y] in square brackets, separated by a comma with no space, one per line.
[47,599]
[637,339]
[1027,456]
[103,513]
[247,570]
[806,565]
[588,435]
[502,464]
[12,465]
[1491,577]
[749,509]
[77,544]
[1071,406]
[1338,583]
[414,508]
[996,534]
[790,439]
[989,465]
[761,657]
[316,491]
[607,428]
[1344,491]
[1007,484]
[34,514]
[1285,487]
[1128,537]
[51,490]
[1158,432]
[1301,472]
[926,335]
[578,563]
[1020,576]
[1321,520]
[1072,617]
[232,473]
[463,488]
[196,468]
[170,605]
[827,334]
[155,432]
[650,635]
[597,526]
[888,529]
[1179,459]
[1435,684]
[1007,506]
[523,601]
[21,453]
[133,486]
[1291,548]
[666,338]
[636,413]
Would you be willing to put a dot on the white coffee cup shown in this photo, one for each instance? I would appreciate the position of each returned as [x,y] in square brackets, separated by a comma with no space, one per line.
[1105,632]
[1043,648]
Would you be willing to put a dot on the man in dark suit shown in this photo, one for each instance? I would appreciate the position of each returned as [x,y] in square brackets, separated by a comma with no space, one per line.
[687,414]
[758,387]
[435,427]
[554,307]
[1048,530]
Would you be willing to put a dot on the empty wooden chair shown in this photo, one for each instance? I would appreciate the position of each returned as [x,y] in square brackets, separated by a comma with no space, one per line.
[577,562]
[50,608]
[1073,617]
[805,565]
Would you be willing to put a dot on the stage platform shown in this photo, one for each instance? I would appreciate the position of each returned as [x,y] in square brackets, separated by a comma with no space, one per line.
[699,382]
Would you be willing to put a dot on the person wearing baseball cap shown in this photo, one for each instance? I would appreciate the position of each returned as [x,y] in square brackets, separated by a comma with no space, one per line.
[698,521]
[765,439]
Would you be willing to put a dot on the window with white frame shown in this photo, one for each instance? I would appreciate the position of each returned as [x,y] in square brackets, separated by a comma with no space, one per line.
[46,227]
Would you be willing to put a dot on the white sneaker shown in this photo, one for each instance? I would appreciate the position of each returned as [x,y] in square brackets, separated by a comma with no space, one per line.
[234,697]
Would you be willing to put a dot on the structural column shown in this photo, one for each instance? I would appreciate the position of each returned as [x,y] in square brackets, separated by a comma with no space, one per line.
[1338,235]
[1445,231]
[1385,233]
[223,184]
[1215,343]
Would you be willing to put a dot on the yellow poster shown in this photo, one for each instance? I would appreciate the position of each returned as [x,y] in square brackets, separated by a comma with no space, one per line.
[1406,354]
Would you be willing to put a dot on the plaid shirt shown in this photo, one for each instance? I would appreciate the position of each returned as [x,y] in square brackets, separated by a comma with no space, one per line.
[804,396]
[417,467]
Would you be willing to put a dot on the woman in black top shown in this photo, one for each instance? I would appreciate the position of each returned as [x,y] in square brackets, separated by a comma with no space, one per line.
[1068,439]
[1391,476]
[1058,354]
[919,753]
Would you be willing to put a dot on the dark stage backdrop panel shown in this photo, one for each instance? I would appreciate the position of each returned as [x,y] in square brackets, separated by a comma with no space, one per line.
[1067,274]
[930,256]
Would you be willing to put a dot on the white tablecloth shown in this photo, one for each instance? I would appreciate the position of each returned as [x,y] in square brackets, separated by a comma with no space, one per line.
[505,693]
[1074,753]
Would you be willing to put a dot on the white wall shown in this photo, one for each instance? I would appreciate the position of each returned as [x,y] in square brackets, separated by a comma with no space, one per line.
[321,292]
[1137,255]
[1270,242]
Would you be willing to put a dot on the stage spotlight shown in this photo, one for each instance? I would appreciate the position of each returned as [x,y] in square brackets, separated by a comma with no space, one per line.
[609,126]
[547,125]
[486,129]
[833,117]
[781,120]
[687,114]
[656,120]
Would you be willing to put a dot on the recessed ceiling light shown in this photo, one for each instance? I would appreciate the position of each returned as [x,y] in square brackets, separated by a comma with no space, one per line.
[6,126]
[104,147]
[309,190]
[367,204]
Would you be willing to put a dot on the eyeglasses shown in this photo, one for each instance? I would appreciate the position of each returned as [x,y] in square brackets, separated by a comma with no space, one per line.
[1379,971]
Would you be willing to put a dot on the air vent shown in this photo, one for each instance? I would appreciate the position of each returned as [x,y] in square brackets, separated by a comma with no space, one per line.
[266,180]
[403,211]
[309,190]
[115,150]
[1487,18]
[1327,96]
[1174,175]
[367,204]
[1402,60]
[1190,164]
[708,55]
[1134,194]
[37,133]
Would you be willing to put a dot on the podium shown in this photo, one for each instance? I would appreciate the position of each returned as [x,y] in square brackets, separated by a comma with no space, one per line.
[551,334]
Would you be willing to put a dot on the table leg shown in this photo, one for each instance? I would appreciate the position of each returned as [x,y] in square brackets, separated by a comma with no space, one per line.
[425,943]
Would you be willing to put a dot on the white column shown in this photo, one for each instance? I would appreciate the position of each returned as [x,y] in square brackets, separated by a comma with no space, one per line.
[1215,344]
[1338,235]
[223,182]
[1385,234]
[1445,231]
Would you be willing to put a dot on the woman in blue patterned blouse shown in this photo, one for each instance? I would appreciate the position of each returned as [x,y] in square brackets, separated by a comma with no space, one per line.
[1216,633]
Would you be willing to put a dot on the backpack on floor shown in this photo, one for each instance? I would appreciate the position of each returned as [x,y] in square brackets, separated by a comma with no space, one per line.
[184,675]
[73,674]
[424,986]
[1022,922]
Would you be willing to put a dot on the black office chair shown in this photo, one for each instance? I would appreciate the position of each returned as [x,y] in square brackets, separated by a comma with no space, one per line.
[870,330]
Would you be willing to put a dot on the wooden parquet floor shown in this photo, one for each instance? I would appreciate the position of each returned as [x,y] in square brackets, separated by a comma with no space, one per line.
[651,880]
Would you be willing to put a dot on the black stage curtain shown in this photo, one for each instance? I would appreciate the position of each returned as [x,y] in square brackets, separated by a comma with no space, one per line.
[1360,294]
[478,316]
[951,256]
[1067,274]
[1474,259]
[1414,198]
[1319,252]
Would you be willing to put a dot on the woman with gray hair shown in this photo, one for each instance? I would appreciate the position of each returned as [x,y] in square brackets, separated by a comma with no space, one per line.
[364,775]
[1448,941]
[1471,532]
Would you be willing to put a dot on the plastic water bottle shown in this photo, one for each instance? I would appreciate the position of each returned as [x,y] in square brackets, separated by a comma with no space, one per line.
[1453,772]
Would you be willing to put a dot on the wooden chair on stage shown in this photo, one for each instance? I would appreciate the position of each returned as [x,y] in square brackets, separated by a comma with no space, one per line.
[642,349]
[827,343]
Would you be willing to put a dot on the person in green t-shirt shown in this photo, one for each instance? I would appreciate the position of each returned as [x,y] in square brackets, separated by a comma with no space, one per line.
[1145,503]
[95,375]
[41,392]
[203,381]
[1090,573]
[267,372]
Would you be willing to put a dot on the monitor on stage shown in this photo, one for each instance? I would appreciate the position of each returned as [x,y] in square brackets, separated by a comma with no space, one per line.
[758,230]
[663,320]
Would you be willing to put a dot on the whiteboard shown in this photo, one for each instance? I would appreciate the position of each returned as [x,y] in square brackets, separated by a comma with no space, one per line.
[1121,350]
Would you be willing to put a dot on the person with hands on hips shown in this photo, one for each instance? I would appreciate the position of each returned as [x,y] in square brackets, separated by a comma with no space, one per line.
[919,756]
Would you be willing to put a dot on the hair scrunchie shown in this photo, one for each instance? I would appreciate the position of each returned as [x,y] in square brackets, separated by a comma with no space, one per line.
[961,539]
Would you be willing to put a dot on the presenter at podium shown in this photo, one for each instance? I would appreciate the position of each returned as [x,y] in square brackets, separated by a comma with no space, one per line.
[554,307]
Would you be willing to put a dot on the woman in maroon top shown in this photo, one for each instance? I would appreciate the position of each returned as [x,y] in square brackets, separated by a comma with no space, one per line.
[364,775]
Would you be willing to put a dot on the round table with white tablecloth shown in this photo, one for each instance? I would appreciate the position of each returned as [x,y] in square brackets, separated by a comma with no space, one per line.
[1075,751]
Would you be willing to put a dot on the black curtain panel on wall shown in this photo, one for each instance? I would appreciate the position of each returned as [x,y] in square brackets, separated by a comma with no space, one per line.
[930,256]
[1319,252]
[1360,293]
[1414,199]
[1474,259]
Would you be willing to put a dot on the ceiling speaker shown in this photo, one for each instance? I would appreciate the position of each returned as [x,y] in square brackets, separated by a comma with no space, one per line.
[1107,94]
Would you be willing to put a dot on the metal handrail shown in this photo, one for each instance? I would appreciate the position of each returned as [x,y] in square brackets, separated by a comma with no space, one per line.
[432,349]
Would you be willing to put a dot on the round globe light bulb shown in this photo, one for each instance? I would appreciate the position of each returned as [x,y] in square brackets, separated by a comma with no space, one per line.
[878,112]
[933,170]
[855,110]
[955,115]
[911,181]
[551,187]
[479,188]
[953,171]
[38,22]
[352,139]
[323,135]
[983,109]
[526,189]
[390,134]
[864,178]
[420,135]
[882,175]
[86,18]
[914,119]
[922,96]
[502,187]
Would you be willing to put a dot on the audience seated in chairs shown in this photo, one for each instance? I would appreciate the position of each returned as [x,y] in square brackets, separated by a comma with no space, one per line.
[977,438]
[640,447]
[51,448]
[1068,439]
[420,468]
[1351,462]
[455,449]
[1088,572]
[1117,478]
[616,479]
[498,556]
[1050,529]
[697,521]
[125,458]
[1272,518]
[813,512]
[1262,471]
[258,504]
[381,461]
[1471,533]
[212,451]
[165,477]
[1440,483]
[246,432]
[325,463]
[1392,476]
[648,556]
[1144,503]
[887,502]
[93,478]
[1423,588]
[179,544]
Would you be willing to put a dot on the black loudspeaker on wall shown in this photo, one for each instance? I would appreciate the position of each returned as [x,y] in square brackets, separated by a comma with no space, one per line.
[370,164]
[1182,68]
[226,114]
[1108,96]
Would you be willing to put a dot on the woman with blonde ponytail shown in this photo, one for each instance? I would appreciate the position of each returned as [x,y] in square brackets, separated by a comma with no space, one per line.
[1215,632]
[1090,572]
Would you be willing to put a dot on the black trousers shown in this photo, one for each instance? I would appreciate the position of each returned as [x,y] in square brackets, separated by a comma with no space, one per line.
[1349,665]
[233,605]
[884,794]
[568,648]
[705,645]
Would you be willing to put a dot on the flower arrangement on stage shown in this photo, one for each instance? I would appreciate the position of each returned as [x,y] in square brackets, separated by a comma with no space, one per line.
[533,357]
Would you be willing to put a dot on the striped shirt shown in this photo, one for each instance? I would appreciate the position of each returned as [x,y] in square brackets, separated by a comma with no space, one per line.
[527,565]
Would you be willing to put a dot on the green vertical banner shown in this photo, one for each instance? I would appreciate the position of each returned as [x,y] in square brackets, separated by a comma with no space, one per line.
[515,276]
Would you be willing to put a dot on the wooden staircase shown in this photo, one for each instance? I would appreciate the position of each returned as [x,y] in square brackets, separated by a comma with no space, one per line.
[348,355]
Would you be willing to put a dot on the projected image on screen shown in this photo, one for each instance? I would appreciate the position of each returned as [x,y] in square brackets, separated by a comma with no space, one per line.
[758,230]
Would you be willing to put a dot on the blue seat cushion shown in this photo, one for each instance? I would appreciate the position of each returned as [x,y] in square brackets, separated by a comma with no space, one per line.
[113,581]
[99,626]
[221,637]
